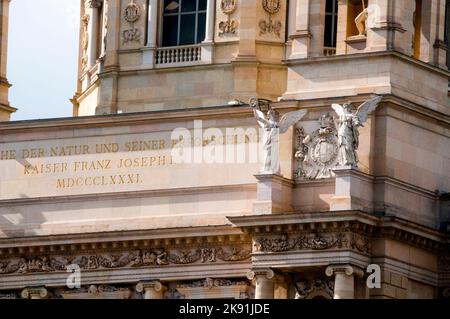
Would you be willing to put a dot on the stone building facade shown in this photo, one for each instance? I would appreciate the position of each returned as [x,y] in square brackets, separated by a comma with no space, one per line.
[101,195]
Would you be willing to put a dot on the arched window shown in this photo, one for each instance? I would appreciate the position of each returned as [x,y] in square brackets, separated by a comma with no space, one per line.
[184,22]
[331,18]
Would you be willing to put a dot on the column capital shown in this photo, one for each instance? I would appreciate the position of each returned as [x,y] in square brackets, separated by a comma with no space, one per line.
[35,293]
[94,4]
[268,273]
[344,269]
[155,285]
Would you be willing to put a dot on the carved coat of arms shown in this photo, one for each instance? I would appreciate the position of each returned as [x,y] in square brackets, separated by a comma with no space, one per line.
[317,153]
[271,6]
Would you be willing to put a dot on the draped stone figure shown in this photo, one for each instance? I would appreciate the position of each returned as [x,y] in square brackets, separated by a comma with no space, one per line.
[348,125]
[272,126]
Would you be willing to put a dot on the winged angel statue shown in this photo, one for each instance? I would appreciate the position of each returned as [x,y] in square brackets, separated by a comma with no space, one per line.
[273,126]
[348,134]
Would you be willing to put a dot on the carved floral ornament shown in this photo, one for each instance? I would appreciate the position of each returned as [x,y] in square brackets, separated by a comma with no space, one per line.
[272,7]
[128,259]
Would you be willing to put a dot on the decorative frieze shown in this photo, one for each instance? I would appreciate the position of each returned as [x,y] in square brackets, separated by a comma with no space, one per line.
[272,7]
[283,243]
[229,26]
[211,283]
[137,258]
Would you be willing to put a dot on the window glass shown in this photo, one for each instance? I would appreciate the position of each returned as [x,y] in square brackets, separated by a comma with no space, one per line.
[202,5]
[184,22]
[187,34]
[170,29]
[188,5]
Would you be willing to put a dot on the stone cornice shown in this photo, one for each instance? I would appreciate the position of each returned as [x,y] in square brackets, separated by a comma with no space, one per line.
[7,108]
[389,53]
[128,118]
[343,221]
[174,237]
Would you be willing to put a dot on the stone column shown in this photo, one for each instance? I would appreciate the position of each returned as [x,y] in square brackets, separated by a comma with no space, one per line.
[92,9]
[151,289]
[5,108]
[265,285]
[207,45]
[152,24]
[210,9]
[35,293]
[149,53]
[344,280]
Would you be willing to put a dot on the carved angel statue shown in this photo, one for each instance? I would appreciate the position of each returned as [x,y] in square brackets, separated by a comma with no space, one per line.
[273,126]
[348,134]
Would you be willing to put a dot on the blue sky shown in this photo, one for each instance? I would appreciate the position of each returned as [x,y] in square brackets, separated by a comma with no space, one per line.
[42,57]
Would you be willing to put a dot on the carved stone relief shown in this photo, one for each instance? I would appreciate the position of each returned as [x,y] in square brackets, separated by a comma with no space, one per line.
[132,14]
[128,259]
[211,283]
[317,153]
[228,27]
[283,243]
[85,40]
[272,7]
[313,288]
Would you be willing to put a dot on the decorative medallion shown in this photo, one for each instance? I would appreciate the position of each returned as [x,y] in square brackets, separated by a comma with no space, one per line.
[269,26]
[317,153]
[228,7]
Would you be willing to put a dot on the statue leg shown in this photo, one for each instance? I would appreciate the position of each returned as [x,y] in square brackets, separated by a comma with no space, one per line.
[360,22]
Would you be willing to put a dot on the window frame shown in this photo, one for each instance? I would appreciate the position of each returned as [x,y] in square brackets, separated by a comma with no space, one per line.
[179,14]
[334,19]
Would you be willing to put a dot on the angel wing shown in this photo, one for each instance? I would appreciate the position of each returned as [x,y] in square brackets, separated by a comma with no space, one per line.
[290,119]
[367,108]
[338,109]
